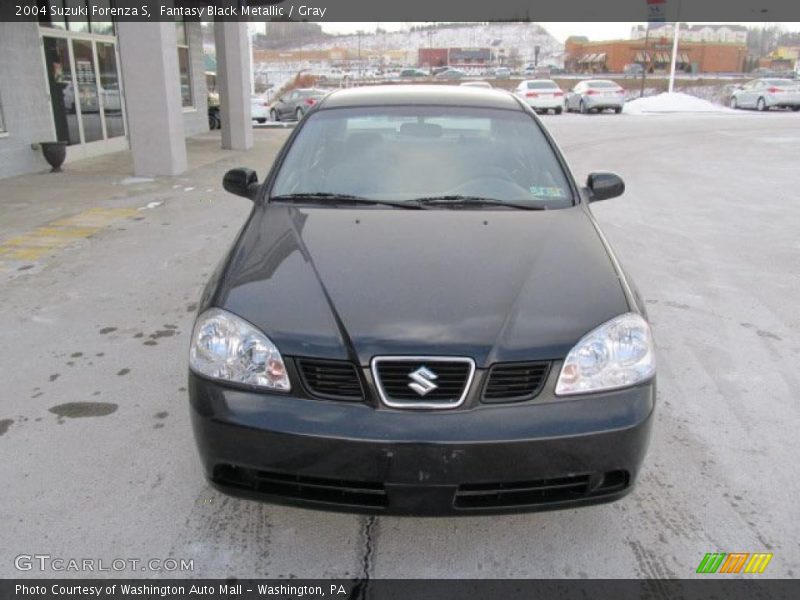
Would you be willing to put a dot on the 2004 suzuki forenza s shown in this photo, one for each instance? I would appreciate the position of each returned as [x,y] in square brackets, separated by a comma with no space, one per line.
[421,316]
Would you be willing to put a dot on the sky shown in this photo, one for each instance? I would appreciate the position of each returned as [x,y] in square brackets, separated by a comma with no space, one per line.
[561,31]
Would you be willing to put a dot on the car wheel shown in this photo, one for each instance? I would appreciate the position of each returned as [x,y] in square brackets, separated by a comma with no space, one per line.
[795,108]
[733,103]
[261,120]
[618,109]
[273,115]
[558,110]
[583,108]
[761,106]
[298,114]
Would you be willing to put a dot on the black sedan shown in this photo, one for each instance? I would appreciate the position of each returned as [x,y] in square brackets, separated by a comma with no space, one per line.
[421,316]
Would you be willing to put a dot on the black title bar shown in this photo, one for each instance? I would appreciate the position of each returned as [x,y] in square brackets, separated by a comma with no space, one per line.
[416,10]
[732,588]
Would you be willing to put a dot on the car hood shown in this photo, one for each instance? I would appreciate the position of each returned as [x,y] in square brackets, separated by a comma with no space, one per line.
[496,285]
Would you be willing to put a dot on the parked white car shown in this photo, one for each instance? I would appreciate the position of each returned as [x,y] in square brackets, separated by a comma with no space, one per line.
[595,95]
[259,108]
[763,94]
[541,95]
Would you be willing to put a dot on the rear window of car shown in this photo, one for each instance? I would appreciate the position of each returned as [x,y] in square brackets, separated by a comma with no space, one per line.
[411,152]
[541,85]
[602,84]
[780,82]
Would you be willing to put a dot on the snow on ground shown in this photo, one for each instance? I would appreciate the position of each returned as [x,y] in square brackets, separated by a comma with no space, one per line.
[671,103]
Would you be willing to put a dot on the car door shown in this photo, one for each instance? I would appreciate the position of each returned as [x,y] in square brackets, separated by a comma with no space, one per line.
[747,96]
[291,103]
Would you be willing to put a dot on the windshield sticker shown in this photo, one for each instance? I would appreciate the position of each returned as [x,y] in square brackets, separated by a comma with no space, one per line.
[547,192]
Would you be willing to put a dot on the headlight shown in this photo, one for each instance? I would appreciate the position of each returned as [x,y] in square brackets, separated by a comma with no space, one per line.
[228,348]
[617,354]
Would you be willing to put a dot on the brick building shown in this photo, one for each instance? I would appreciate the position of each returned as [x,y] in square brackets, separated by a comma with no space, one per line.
[454,57]
[583,56]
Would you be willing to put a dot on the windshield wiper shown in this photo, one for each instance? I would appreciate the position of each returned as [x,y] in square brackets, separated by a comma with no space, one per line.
[330,199]
[457,200]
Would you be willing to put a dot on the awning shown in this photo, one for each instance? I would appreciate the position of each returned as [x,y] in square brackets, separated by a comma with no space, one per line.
[684,58]
[587,58]
[639,57]
[600,58]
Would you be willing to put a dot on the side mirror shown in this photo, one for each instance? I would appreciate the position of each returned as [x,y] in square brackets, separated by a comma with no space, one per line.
[604,185]
[242,182]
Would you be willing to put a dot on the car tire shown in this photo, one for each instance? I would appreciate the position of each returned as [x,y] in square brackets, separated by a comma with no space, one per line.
[795,108]
[733,103]
[298,114]
[557,110]
[761,105]
[261,121]
[273,115]
[582,108]
[618,109]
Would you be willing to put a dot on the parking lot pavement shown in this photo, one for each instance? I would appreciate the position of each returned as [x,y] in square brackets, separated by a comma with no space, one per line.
[100,460]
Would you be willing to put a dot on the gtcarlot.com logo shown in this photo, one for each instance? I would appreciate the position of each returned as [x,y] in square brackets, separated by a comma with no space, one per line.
[734,562]
[46,562]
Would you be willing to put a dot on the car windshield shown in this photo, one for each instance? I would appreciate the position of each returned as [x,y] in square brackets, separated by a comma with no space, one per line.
[408,153]
[541,85]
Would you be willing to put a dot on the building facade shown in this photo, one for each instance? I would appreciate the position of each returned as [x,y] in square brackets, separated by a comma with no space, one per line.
[704,32]
[461,58]
[103,87]
[63,81]
[655,53]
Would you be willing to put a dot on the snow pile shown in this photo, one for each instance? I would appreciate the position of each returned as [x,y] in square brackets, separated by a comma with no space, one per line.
[671,103]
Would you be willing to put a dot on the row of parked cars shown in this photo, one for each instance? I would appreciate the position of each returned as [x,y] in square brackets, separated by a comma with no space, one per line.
[545,95]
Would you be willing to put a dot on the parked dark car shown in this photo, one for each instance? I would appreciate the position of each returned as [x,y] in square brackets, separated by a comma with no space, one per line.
[412,74]
[295,103]
[458,341]
[451,74]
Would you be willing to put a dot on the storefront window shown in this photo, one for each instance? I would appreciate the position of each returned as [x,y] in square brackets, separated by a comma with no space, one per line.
[184,64]
[87,91]
[80,24]
[102,27]
[62,91]
[110,90]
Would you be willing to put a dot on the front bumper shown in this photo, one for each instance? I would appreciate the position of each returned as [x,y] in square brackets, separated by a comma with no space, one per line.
[539,455]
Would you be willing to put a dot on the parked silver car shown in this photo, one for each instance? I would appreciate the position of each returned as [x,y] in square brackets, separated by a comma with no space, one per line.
[541,95]
[594,95]
[763,94]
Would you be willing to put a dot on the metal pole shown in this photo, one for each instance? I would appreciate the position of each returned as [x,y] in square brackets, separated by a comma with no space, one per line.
[644,59]
[674,56]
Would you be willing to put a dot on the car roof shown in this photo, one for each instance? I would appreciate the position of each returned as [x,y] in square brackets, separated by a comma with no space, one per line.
[405,95]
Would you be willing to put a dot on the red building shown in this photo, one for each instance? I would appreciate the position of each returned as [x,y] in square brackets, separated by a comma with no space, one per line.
[454,57]
[583,56]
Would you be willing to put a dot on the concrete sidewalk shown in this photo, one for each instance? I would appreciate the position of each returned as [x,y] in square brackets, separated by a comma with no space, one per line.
[45,212]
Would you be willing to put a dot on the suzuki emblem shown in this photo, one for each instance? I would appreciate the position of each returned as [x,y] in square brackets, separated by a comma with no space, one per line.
[423,380]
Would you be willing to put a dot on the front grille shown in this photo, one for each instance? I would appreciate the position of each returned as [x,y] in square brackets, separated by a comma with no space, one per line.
[450,376]
[342,492]
[330,379]
[513,382]
[541,491]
